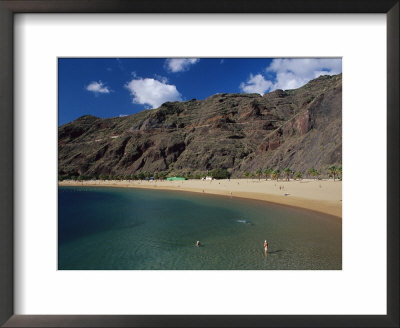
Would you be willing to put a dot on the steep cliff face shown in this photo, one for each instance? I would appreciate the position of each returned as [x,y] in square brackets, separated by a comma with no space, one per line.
[299,128]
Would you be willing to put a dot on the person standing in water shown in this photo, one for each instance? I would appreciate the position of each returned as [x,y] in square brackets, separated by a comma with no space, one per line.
[266,246]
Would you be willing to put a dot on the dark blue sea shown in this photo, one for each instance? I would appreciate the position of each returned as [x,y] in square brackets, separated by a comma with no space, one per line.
[102,228]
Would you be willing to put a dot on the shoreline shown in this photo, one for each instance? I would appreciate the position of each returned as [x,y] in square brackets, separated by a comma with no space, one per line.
[324,196]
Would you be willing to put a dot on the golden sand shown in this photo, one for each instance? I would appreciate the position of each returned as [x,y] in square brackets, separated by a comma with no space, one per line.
[318,195]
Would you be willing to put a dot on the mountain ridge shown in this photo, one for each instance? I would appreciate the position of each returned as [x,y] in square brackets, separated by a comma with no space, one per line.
[299,128]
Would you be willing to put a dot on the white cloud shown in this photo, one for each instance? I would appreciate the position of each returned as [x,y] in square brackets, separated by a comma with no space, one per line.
[291,74]
[160,78]
[295,72]
[152,92]
[256,84]
[175,65]
[97,87]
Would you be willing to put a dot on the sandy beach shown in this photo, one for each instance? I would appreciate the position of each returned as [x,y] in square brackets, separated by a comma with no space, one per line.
[323,196]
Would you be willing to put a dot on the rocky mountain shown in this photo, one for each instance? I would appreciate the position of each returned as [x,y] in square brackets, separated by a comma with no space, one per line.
[299,128]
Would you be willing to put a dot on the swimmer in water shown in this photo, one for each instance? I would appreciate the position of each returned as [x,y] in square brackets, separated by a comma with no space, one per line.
[198,243]
[265,247]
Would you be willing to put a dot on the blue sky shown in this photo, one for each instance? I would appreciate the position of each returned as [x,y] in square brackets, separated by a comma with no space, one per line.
[110,87]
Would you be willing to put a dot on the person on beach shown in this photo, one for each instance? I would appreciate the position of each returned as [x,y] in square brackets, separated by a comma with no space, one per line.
[197,243]
[265,247]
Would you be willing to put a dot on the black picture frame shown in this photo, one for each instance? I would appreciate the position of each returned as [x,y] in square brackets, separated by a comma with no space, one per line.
[10,7]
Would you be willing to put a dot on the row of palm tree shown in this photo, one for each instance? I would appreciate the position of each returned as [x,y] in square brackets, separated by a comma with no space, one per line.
[335,171]
[139,176]
[146,175]
[268,173]
[275,174]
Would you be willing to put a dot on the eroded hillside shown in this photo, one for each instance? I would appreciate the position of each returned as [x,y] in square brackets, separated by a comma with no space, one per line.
[299,128]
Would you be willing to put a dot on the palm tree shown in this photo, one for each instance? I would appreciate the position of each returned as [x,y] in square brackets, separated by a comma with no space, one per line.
[267,172]
[258,174]
[339,172]
[162,175]
[287,173]
[298,175]
[317,174]
[313,172]
[276,174]
[333,170]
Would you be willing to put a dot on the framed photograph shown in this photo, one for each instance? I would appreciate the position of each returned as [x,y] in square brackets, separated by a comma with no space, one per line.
[183,165]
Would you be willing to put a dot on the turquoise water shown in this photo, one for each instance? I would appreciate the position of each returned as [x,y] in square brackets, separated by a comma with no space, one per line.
[136,229]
